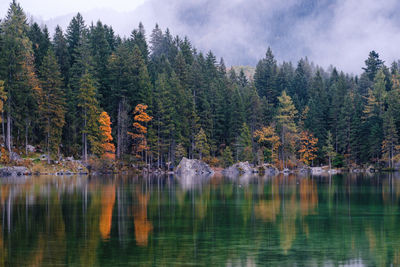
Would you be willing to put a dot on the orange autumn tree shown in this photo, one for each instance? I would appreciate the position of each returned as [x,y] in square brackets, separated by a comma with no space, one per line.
[308,148]
[107,147]
[139,130]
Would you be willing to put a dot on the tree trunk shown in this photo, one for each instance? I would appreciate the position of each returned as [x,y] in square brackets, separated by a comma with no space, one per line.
[119,130]
[48,147]
[26,137]
[84,139]
[9,131]
[3,128]
[330,163]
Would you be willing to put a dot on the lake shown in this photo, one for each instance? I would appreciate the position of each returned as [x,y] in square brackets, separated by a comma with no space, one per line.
[342,220]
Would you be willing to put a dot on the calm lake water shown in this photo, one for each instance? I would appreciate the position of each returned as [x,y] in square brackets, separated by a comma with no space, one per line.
[343,220]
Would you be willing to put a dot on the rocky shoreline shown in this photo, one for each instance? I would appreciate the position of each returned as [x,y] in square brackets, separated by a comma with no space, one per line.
[186,168]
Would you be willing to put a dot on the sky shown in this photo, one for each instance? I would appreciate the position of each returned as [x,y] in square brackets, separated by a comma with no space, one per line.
[328,32]
[47,9]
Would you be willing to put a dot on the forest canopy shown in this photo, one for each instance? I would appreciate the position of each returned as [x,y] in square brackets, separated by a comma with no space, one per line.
[153,98]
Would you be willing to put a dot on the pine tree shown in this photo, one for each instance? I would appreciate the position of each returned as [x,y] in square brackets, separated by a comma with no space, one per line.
[286,125]
[227,157]
[61,53]
[373,64]
[40,43]
[89,110]
[328,149]
[265,78]
[245,144]
[100,52]
[139,39]
[19,74]
[201,144]
[391,140]
[75,31]
[180,152]
[51,103]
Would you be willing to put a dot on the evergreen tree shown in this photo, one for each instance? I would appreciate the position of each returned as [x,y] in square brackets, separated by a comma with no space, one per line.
[227,157]
[265,78]
[51,103]
[372,65]
[201,144]
[139,39]
[286,125]
[19,74]
[89,110]
[328,149]
[245,144]
[40,43]
[61,53]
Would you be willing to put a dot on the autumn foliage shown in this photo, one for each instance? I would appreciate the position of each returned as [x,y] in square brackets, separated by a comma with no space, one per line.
[267,137]
[308,147]
[106,138]
[139,130]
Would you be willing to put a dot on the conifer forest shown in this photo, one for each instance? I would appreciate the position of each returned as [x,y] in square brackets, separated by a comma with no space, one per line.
[152,98]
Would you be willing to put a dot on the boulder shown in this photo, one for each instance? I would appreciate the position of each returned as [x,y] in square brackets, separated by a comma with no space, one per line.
[193,167]
[270,169]
[316,170]
[14,156]
[30,148]
[239,169]
[13,171]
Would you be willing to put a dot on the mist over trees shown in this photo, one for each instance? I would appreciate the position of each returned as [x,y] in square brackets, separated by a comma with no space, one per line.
[156,99]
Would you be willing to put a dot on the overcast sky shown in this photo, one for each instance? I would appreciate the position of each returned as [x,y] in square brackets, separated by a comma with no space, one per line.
[337,32]
[47,9]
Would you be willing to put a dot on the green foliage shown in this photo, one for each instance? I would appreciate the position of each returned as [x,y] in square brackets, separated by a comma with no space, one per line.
[339,161]
[51,102]
[201,145]
[227,157]
[54,91]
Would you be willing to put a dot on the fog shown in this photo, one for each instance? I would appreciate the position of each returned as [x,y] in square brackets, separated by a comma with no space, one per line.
[339,32]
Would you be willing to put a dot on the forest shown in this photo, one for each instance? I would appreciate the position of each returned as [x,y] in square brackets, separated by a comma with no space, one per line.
[153,99]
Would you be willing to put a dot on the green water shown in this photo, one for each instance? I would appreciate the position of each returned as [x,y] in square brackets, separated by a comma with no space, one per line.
[343,220]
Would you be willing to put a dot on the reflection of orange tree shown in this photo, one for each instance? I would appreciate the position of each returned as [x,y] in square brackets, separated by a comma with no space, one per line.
[308,196]
[142,226]
[267,210]
[107,204]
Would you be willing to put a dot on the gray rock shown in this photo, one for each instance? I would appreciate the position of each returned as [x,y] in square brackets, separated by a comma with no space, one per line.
[14,156]
[193,167]
[239,169]
[316,170]
[31,148]
[69,158]
[13,171]
[270,169]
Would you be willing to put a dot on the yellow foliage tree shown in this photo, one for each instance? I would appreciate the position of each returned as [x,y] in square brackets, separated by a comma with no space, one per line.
[308,148]
[108,148]
[267,137]
[139,130]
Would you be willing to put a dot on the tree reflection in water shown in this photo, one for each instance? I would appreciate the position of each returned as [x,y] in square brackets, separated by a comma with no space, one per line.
[282,220]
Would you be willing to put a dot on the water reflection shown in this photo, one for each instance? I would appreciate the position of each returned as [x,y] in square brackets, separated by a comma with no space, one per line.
[278,221]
